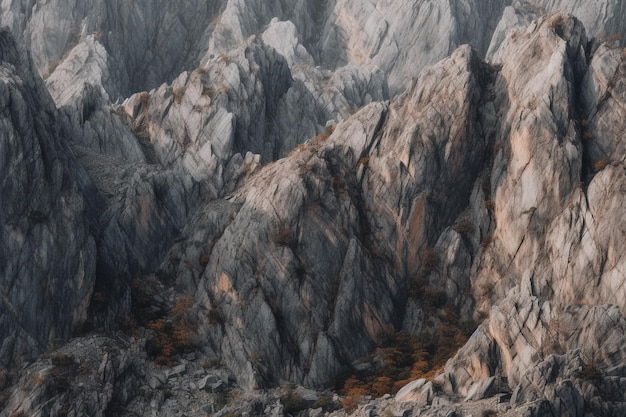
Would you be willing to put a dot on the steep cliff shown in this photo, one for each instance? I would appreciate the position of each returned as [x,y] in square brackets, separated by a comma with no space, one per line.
[555,253]
[48,256]
[302,188]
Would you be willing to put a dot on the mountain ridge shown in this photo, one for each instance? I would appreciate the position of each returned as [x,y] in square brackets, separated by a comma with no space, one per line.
[262,220]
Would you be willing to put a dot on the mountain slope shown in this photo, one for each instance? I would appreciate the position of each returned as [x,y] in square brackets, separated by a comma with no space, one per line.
[277,215]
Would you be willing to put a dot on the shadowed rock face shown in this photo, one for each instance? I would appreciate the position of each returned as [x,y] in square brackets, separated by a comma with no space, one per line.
[278,179]
[147,45]
[48,256]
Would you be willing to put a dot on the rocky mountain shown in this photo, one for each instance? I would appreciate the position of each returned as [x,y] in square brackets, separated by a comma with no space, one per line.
[312,208]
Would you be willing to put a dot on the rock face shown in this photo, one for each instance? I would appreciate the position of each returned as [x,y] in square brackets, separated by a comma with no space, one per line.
[146,44]
[48,256]
[311,178]
[553,259]
[346,277]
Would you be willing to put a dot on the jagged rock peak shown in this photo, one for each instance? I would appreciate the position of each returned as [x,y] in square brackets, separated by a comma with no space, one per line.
[277,213]
[545,267]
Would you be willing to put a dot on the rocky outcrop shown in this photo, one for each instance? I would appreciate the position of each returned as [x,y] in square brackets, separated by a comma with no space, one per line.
[75,221]
[146,45]
[249,100]
[105,375]
[271,173]
[47,228]
[552,258]
[332,199]
[79,88]
[89,377]
[392,35]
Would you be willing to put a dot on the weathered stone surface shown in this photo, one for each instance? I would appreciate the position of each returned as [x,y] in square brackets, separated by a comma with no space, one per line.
[147,45]
[207,381]
[496,186]
[277,216]
[486,388]
[391,34]
[86,376]
[176,371]
[552,250]
[47,229]
[419,391]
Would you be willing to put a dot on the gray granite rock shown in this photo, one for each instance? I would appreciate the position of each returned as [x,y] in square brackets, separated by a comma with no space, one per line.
[495,182]
[47,217]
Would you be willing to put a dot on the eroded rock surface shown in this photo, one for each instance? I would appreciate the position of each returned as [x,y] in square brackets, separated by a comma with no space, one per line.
[271,173]
[553,257]
[345,278]
[47,230]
